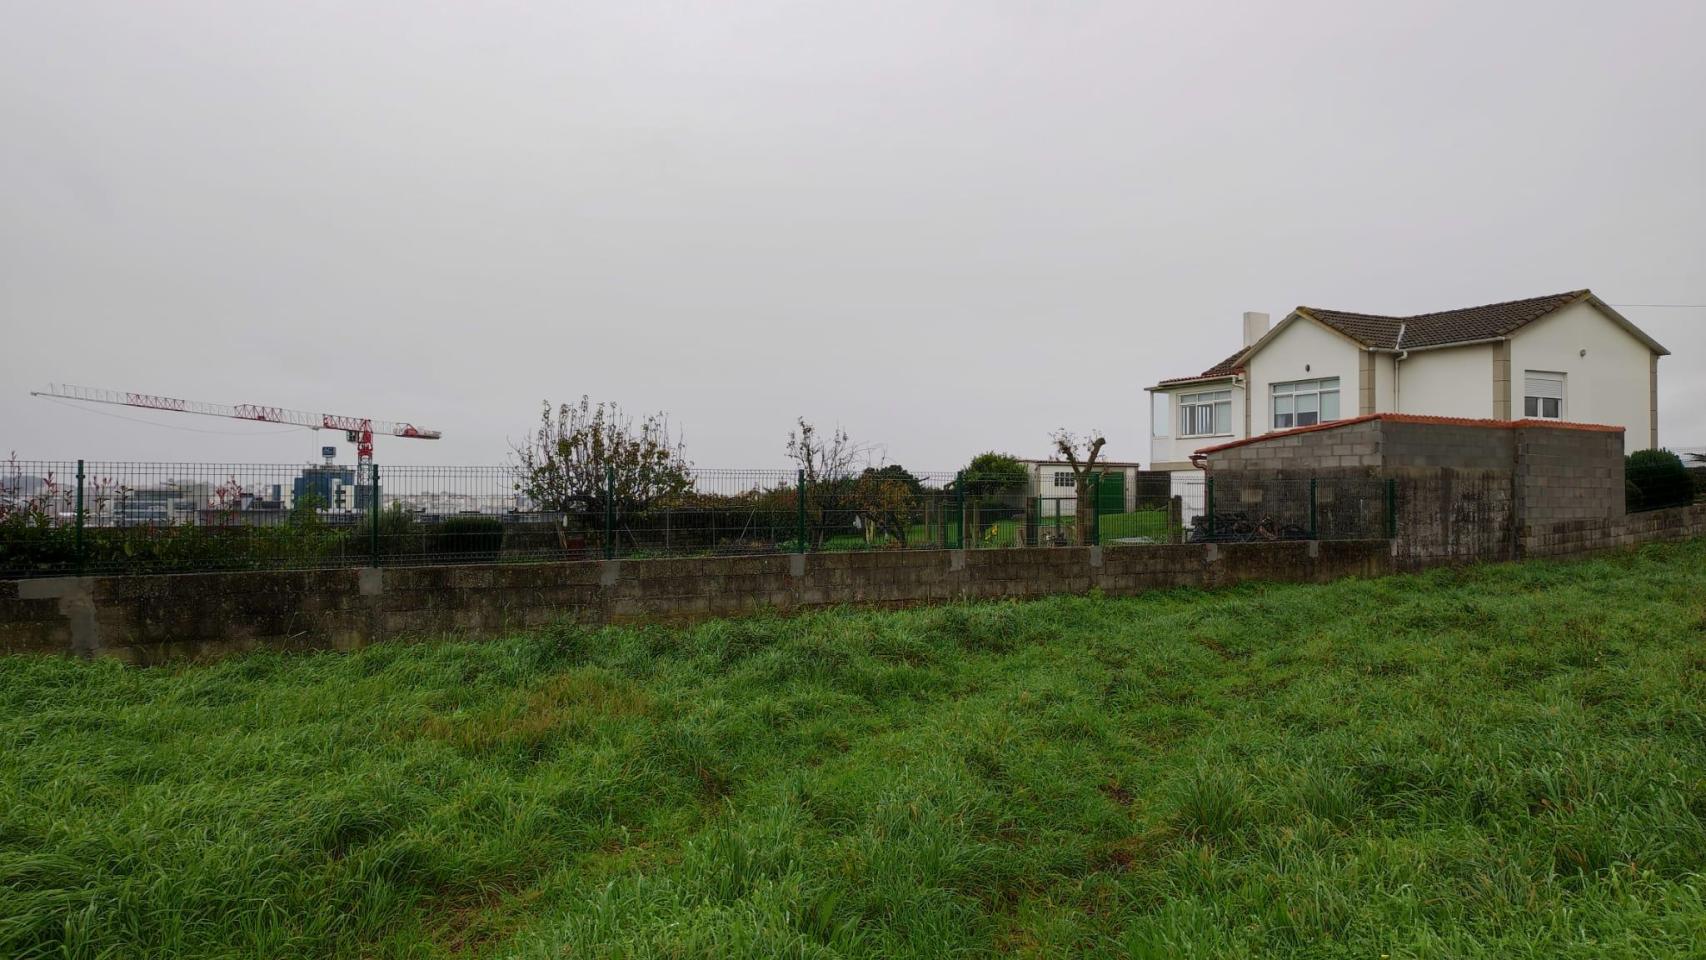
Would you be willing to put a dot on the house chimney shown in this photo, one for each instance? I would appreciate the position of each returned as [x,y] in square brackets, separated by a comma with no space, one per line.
[1255,326]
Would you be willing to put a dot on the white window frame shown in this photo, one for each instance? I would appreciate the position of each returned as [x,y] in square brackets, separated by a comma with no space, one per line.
[1294,392]
[1533,378]
[1205,408]
[1063,478]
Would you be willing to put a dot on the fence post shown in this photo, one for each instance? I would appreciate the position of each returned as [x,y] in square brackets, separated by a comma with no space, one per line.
[960,509]
[609,512]
[1095,510]
[373,508]
[800,521]
[1208,504]
[77,536]
[1314,530]
[1391,508]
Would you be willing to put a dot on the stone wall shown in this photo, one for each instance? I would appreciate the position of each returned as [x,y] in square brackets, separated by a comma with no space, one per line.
[148,619]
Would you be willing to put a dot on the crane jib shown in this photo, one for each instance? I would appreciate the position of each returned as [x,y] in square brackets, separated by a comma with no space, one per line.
[359,429]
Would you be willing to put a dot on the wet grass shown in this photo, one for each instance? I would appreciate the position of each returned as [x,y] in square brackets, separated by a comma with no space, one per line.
[1503,762]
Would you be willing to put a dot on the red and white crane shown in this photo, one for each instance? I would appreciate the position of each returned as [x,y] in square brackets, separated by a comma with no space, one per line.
[359,430]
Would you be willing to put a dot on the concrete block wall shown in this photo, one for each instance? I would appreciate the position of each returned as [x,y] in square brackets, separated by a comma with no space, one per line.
[1454,516]
[1455,446]
[1568,475]
[149,619]
[1354,447]
[1469,489]
[1598,534]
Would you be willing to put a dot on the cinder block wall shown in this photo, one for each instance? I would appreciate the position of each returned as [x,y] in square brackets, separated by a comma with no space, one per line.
[149,619]
[1467,491]
[1354,447]
[1428,446]
[1568,475]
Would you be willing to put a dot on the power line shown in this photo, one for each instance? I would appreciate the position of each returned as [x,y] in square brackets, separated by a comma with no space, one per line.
[1678,306]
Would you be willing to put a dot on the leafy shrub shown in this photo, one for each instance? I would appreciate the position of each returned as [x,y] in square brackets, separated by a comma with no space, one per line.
[399,534]
[470,538]
[1655,479]
[993,474]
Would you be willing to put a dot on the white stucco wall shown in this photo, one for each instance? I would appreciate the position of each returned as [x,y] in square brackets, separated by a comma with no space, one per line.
[1174,449]
[1610,384]
[1450,382]
[1384,401]
[1305,350]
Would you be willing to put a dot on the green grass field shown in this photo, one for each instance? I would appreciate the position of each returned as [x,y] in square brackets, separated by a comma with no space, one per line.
[1010,533]
[1501,762]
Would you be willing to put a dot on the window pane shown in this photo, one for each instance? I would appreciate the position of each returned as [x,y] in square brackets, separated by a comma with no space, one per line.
[1550,407]
[1283,387]
[1223,417]
[1282,420]
[1309,403]
[1531,406]
[1330,405]
[1282,405]
[1306,419]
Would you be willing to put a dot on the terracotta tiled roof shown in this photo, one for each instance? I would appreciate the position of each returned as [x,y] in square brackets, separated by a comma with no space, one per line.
[1416,418]
[1447,326]
[1224,368]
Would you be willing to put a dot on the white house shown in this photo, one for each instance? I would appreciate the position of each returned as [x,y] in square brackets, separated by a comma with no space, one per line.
[1568,356]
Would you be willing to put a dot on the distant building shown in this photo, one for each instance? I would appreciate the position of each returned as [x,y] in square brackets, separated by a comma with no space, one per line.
[333,485]
[1121,487]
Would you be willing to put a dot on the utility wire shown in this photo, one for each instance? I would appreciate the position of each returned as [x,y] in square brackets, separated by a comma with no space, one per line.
[1677,306]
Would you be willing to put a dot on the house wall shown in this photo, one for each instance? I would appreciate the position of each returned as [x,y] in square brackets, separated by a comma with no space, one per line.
[1611,384]
[1305,350]
[1451,382]
[1172,452]
[1385,399]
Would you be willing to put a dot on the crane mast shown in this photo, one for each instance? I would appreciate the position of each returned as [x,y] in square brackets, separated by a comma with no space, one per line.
[359,430]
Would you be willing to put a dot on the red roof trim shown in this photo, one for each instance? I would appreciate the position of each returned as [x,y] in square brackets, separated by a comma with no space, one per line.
[1417,418]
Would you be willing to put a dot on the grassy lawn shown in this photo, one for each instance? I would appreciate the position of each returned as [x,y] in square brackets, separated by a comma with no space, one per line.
[1501,762]
[1008,533]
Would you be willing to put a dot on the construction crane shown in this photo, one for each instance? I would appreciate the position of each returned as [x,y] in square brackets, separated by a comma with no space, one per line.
[359,430]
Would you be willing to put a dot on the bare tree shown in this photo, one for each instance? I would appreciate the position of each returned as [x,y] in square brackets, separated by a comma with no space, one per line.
[1081,454]
[831,467]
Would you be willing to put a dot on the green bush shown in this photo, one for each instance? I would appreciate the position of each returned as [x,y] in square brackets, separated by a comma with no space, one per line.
[399,534]
[1655,479]
[470,538]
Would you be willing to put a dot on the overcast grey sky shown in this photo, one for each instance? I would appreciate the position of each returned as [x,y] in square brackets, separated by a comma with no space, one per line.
[945,226]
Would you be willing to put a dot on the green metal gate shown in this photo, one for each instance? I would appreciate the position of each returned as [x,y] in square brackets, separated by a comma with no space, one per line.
[1110,492]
